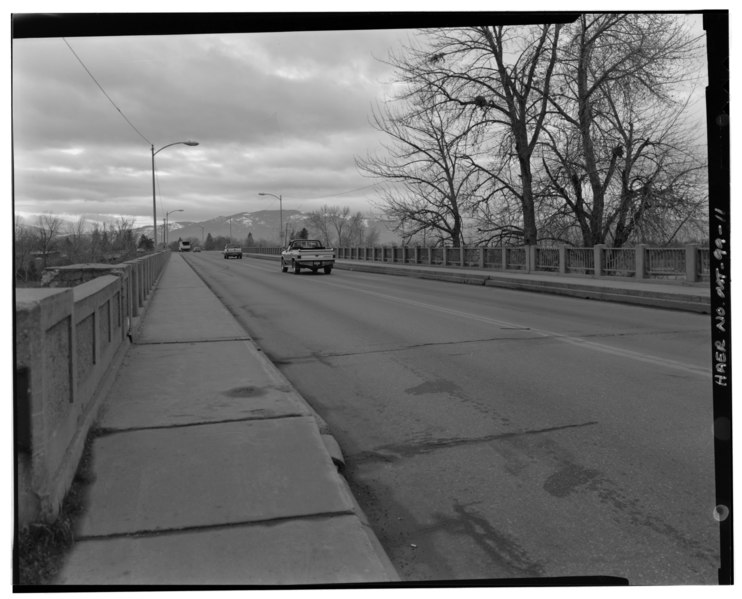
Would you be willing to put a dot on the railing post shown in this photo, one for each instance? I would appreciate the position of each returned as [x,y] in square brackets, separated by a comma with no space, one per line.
[562,259]
[639,261]
[504,257]
[445,256]
[691,263]
[417,254]
[598,259]
[481,257]
[531,258]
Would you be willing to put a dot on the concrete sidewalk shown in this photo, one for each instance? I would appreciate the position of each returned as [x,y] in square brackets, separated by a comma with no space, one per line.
[210,469]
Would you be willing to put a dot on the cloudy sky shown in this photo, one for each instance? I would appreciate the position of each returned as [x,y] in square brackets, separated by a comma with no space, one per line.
[279,113]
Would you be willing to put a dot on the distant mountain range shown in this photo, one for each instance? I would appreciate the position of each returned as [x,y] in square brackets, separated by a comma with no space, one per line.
[263,225]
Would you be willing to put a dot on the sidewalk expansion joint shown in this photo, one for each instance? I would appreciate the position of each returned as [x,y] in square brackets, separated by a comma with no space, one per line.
[192,341]
[209,527]
[106,431]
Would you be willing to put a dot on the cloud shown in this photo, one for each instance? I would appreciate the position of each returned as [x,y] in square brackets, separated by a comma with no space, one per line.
[274,112]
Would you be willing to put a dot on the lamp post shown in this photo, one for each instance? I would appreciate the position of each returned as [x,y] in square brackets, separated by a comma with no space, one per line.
[166,234]
[280,208]
[154,197]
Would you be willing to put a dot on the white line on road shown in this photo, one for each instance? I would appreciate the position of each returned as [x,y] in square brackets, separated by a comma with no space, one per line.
[572,340]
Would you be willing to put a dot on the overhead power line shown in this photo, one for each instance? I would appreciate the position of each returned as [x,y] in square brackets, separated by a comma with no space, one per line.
[104,92]
[342,193]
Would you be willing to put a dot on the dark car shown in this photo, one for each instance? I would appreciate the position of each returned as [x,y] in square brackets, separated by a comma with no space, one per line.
[232,251]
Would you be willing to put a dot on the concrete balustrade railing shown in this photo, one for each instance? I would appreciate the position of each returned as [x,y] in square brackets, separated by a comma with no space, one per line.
[70,339]
[689,263]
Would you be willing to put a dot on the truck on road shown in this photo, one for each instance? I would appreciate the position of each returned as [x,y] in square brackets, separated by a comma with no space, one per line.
[184,246]
[307,253]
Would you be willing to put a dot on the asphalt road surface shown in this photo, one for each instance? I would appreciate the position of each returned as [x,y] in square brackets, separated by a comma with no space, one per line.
[491,433]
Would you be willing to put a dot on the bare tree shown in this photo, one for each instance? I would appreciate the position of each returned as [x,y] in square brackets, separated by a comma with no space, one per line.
[616,140]
[98,242]
[26,239]
[122,234]
[48,228]
[77,240]
[357,233]
[336,226]
[502,74]
[426,164]
[339,219]
[370,237]
[320,225]
[662,179]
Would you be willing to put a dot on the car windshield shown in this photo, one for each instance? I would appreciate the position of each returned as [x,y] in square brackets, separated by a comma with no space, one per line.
[306,245]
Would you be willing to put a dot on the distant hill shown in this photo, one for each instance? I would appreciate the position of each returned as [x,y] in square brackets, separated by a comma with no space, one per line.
[263,225]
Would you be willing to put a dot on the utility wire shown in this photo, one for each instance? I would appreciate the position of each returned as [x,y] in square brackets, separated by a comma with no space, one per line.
[104,92]
[342,193]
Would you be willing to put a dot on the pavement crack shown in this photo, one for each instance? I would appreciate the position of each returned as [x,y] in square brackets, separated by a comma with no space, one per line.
[393,453]
[386,350]
[642,333]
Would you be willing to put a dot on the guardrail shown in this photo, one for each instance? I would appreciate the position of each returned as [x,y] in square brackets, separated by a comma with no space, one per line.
[69,339]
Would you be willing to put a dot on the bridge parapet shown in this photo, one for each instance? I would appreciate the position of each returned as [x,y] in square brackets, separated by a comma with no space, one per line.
[70,338]
[689,263]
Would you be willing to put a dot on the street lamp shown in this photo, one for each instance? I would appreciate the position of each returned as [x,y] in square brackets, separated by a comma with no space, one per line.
[280,208]
[154,201]
[166,234]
